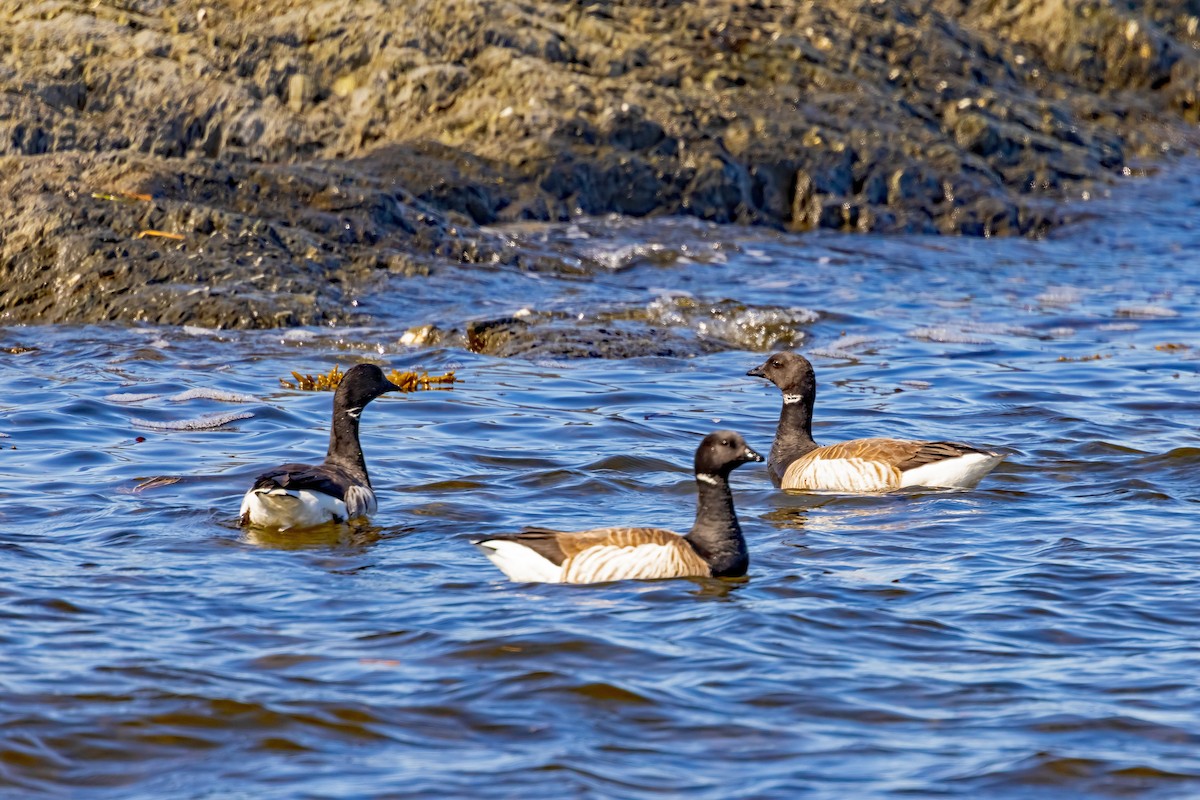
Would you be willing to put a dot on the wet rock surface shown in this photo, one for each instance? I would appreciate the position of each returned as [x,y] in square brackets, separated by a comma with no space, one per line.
[266,164]
[669,326]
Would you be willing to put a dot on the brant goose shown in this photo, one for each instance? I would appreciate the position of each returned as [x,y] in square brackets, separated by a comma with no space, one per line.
[861,465]
[338,489]
[713,548]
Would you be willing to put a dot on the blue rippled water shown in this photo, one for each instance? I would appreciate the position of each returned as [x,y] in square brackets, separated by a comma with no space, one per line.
[1033,638]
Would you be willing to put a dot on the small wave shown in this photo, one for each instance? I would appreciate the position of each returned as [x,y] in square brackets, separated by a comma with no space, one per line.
[633,254]
[750,327]
[1145,311]
[130,397]
[1059,296]
[202,393]
[947,336]
[999,329]
[846,347]
[207,422]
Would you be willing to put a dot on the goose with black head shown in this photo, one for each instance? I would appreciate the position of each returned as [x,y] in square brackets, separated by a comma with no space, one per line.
[713,548]
[336,490]
[876,464]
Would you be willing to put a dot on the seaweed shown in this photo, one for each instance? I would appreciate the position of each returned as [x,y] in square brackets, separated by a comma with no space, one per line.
[407,381]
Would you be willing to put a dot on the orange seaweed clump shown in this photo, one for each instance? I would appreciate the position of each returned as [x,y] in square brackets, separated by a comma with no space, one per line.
[407,381]
[411,381]
[1096,357]
[325,382]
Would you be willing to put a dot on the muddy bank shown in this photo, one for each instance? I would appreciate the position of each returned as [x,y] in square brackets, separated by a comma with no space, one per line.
[257,164]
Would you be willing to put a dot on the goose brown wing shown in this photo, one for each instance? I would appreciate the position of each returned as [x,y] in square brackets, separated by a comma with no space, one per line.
[932,452]
[900,454]
[557,546]
[543,541]
[577,542]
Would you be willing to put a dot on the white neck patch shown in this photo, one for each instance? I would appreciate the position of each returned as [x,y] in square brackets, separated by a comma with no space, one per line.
[709,479]
[788,399]
[353,412]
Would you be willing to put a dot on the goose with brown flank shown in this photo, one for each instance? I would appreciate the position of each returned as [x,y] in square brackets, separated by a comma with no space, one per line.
[861,465]
[336,490]
[713,548]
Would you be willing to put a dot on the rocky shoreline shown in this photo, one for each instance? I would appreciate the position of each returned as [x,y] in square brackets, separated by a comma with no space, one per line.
[248,165]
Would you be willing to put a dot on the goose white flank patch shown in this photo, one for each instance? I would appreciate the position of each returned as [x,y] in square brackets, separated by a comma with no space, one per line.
[861,465]
[336,490]
[713,548]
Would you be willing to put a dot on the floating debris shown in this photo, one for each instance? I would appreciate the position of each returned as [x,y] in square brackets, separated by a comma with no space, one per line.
[1096,357]
[152,483]
[1171,347]
[204,423]
[407,381]
[160,234]
[122,197]
[16,350]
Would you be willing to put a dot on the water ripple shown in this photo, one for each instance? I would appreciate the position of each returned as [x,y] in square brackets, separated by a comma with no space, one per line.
[1032,638]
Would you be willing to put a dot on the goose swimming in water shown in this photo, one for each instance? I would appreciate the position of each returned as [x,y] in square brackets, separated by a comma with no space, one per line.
[336,490]
[861,465]
[713,548]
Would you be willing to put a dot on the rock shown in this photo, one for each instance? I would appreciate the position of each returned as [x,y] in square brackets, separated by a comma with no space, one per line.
[299,92]
[302,148]
[976,134]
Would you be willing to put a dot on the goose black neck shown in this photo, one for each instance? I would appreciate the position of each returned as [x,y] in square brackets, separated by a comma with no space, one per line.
[344,448]
[716,535]
[793,436]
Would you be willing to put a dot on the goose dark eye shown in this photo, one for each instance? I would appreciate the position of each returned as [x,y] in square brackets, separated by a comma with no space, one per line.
[776,364]
[725,442]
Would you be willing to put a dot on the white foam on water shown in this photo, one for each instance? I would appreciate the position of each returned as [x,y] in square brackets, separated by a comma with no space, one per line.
[198,424]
